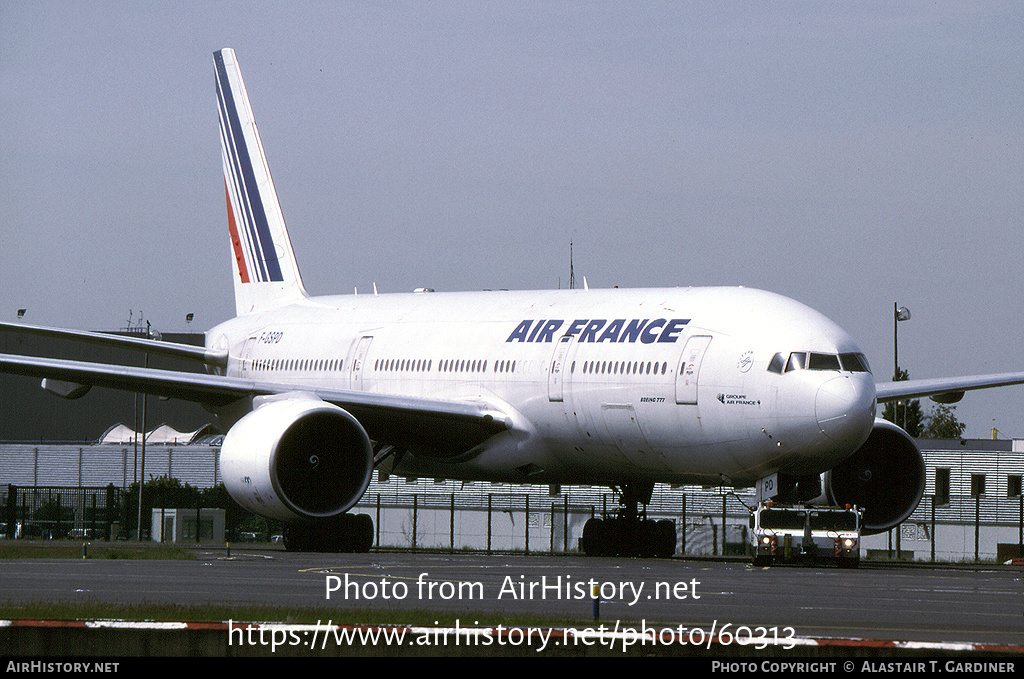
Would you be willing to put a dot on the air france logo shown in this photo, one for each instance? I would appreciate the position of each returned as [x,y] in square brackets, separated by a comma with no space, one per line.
[600,330]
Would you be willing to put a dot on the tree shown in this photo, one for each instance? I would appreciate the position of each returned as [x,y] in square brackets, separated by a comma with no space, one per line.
[942,424]
[905,414]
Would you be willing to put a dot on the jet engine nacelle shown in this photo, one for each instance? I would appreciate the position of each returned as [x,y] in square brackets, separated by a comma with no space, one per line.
[297,458]
[885,477]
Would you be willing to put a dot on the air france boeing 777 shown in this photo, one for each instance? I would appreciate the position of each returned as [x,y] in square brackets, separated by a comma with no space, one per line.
[623,388]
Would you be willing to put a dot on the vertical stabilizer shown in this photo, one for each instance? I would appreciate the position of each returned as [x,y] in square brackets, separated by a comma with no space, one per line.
[266,274]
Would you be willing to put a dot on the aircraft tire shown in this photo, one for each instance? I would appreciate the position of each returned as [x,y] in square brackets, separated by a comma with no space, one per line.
[666,538]
[649,538]
[593,540]
[362,532]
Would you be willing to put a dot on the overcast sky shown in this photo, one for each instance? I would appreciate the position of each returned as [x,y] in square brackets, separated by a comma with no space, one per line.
[848,155]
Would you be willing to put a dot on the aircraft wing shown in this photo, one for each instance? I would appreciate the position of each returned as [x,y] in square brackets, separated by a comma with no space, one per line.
[944,389]
[452,425]
[152,346]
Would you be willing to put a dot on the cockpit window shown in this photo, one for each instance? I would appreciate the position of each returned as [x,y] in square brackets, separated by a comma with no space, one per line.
[823,362]
[797,361]
[803,360]
[855,363]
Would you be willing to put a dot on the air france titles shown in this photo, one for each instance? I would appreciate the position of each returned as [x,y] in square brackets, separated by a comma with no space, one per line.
[643,330]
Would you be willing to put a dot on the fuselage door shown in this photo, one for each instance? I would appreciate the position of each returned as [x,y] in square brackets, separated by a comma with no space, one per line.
[689,369]
[556,376]
[245,365]
[358,359]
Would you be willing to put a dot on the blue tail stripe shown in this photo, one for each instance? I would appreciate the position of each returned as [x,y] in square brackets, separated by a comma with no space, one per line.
[270,267]
[249,221]
[246,220]
[260,240]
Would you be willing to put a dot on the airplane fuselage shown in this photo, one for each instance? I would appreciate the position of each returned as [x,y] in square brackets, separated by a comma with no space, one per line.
[617,387]
[604,386]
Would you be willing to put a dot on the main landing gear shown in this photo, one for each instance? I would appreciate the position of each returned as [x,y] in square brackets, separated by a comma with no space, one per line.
[629,533]
[343,533]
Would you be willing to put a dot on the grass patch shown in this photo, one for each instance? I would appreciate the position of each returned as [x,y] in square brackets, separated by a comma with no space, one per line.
[102,550]
[309,616]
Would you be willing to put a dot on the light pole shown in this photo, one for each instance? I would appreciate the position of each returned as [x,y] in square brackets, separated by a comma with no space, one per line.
[899,313]
[150,334]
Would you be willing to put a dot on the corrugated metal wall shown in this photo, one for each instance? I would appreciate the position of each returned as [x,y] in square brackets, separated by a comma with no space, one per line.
[99,465]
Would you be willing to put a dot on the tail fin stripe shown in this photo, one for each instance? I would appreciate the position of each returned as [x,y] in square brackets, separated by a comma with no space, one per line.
[236,243]
[242,241]
[247,188]
[233,169]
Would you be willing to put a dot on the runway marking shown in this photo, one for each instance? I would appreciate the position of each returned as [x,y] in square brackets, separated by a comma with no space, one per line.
[332,571]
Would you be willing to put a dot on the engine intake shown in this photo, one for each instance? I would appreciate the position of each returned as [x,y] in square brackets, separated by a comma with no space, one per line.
[886,477]
[297,458]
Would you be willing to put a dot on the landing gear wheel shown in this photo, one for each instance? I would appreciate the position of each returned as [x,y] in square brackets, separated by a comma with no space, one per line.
[666,538]
[362,533]
[628,534]
[592,543]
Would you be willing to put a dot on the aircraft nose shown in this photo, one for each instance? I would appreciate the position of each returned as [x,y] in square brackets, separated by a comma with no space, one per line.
[844,408]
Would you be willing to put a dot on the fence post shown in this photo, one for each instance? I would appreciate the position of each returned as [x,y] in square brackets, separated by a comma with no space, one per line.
[110,511]
[933,529]
[565,523]
[682,545]
[723,523]
[526,524]
[552,547]
[12,508]
[977,523]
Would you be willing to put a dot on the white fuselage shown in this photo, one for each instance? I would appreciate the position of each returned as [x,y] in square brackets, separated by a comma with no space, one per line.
[602,386]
